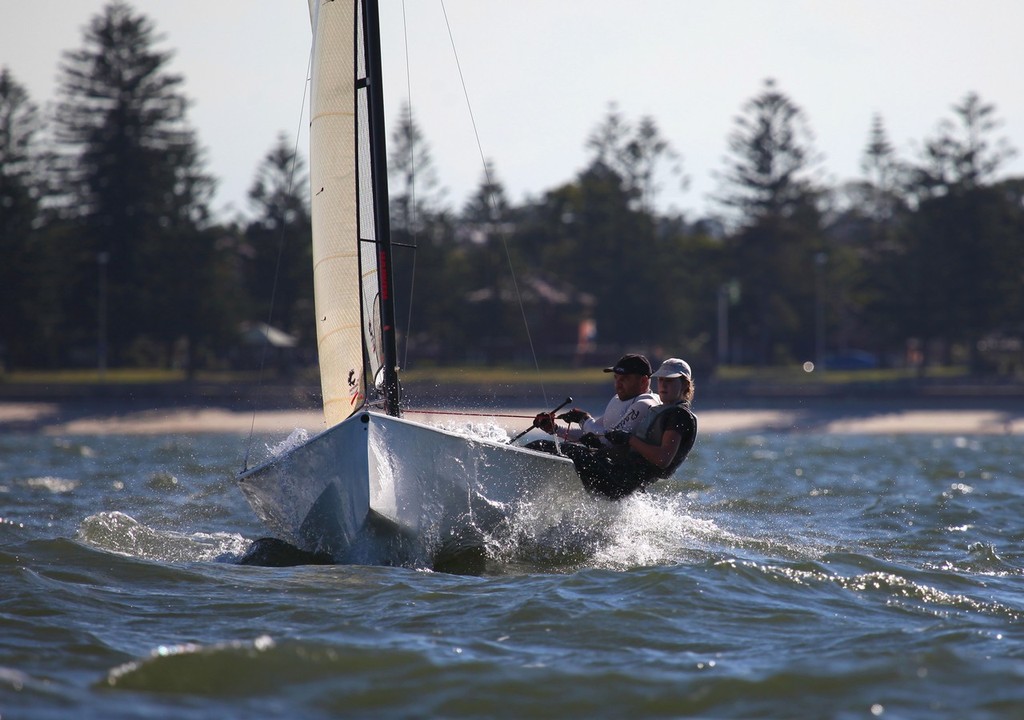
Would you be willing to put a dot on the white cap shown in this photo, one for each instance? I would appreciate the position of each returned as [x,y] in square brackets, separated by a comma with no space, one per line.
[673,368]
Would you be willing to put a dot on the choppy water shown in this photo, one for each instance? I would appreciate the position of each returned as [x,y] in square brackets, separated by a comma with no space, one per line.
[779,576]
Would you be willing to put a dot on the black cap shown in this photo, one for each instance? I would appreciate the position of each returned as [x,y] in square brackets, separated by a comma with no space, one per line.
[631,364]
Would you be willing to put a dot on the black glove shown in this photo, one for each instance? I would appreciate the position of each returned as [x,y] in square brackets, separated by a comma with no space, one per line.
[591,441]
[575,416]
[617,437]
[546,422]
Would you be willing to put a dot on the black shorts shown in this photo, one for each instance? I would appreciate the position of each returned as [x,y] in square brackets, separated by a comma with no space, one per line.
[609,472]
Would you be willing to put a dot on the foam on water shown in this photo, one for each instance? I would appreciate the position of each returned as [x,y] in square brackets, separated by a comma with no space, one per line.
[55,485]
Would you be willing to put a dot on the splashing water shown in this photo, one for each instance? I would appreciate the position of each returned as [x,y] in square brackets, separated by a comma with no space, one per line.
[297,437]
[571,529]
[489,430]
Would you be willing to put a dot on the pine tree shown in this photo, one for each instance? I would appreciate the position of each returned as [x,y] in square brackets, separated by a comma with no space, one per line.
[19,216]
[279,236]
[963,155]
[964,239]
[772,158]
[883,174]
[777,249]
[869,232]
[132,177]
[416,193]
[637,154]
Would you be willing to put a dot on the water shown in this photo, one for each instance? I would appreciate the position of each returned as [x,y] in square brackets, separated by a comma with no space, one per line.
[823,576]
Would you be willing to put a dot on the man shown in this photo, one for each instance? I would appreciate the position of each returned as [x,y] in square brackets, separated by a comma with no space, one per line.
[654,449]
[632,402]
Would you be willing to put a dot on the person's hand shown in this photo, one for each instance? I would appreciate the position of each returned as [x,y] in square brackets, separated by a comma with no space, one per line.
[546,422]
[575,416]
[617,437]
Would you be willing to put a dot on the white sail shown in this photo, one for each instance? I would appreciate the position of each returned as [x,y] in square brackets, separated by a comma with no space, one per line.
[344,269]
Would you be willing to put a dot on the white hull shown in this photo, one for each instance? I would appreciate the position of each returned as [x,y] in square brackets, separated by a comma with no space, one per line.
[385,490]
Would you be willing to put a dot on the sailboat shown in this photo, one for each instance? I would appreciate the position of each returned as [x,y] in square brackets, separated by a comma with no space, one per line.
[374,487]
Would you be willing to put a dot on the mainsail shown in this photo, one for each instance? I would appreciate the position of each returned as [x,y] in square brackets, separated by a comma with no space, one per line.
[346,257]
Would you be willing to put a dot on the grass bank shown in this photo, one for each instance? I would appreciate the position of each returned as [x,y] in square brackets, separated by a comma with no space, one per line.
[457,383]
[482,376]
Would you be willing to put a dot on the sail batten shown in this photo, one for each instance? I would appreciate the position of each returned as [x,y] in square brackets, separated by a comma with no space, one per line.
[337,257]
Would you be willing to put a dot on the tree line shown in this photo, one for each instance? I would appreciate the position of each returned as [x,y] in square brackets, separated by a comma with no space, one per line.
[112,256]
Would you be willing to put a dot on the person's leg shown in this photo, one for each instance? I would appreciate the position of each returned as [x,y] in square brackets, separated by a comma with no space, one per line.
[599,473]
[611,478]
[547,446]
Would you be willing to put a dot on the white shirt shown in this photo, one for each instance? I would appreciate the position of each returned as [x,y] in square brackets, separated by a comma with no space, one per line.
[619,415]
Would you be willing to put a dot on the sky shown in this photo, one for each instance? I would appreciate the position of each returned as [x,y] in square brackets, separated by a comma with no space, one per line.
[540,76]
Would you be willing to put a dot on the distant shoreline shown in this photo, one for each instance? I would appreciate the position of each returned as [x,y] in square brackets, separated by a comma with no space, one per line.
[149,416]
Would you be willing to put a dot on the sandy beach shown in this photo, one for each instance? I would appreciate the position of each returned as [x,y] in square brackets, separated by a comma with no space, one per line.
[95,418]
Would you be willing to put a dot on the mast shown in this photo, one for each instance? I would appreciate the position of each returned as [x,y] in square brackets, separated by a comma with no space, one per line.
[381,209]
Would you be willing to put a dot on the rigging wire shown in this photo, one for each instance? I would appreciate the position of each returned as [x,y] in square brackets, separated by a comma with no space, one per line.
[493,201]
[277,267]
[461,413]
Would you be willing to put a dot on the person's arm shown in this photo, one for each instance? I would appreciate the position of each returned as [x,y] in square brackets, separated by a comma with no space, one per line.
[546,422]
[592,425]
[578,417]
[658,455]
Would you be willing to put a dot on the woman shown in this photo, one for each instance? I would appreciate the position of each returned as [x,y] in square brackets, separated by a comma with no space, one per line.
[665,437]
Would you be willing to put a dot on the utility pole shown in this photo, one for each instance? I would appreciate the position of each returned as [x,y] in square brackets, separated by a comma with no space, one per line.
[819,310]
[102,259]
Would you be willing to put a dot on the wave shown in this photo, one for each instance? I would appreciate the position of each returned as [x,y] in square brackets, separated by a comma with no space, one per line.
[120,533]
